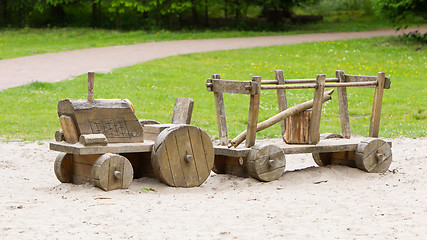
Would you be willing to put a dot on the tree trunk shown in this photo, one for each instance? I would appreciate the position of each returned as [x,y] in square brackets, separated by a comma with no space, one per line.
[206,13]
[194,12]
[94,13]
[117,18]
[225,9]
[5,13]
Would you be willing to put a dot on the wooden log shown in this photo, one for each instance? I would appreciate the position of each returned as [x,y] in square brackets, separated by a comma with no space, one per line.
[59,136]
[112,171]
[293,81]
[90,86]
[69,129]
[182,111]
[266,163]
[355,78]
[93,139]
[304,86]
[220,115]
[63,167]
[281,98]
[374,126]
[314,133]
[297,128]
[279,117]
[373,155]
[343,106]
[253,115]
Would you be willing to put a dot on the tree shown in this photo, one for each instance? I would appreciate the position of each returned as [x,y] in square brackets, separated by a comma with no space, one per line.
[400,9]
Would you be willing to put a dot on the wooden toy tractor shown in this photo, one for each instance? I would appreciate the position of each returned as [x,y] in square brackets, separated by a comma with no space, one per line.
[299,127]
[103,142]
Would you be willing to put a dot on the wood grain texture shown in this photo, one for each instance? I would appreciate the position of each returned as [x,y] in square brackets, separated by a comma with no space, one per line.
[182,111]
[314,133]
[374,127]
[112,171]
[343,106]
[93,139]
[63,167]
[266,163]
[253,114]
[298,126]
[373,155]
[220,115]
[79,149]
[323,159]
[233,86]
[90,86]
[356,78]
[281,98]
[69,129]
[59,136]
[169,159]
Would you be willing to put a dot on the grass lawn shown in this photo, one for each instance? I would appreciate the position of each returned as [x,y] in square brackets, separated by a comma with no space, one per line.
[24,42]
[29,112]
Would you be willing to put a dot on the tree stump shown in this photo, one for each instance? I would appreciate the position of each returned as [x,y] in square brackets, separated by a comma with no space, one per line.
[112,171]
[266,163]
[373,155]
[297,127]
[182,156]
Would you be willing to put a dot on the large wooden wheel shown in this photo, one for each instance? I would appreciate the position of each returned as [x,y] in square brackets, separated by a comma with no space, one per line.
[63,167]
[266,163]
[324,159]
[182,156]
[112,171]
[373,155]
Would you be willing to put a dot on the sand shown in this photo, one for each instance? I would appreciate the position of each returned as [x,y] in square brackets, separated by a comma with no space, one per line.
[307,202]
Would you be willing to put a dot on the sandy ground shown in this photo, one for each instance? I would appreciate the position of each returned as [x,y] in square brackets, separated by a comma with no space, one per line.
[347,204]
[53,67]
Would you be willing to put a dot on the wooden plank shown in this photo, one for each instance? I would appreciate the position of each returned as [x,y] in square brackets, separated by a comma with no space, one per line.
[374,126]
[184,148]
[232,86]
[93,139]
[314,133]
[328,145]
[281,98]
[355,78]
[182,111]
[79,149]
[253,115]
[90,86]
[220,115]
[69,129]
[343,106]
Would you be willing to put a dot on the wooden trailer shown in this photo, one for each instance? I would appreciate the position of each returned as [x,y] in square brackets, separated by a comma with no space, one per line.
[103,142]
[299,127]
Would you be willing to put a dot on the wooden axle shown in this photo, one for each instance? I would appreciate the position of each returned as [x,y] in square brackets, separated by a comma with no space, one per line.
[292,81]
[346,84]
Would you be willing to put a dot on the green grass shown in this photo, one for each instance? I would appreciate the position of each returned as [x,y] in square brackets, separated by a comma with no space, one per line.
[24,42]
[29,112]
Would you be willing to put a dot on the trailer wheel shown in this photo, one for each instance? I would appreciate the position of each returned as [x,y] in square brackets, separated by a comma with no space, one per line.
[112,171]
[63,167]
[373,155]
[182,156]
[324,159]
[266,163]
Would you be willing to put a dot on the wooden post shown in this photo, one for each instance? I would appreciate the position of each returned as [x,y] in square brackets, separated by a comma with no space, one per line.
[281,98]
[253,114]
[220,115]
[90,86]
[343,105]
[314,133]
[374,127]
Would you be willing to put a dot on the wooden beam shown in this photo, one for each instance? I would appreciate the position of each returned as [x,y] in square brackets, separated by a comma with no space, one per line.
[182,111]
[90,86]
[356,78]
[343,106]
[253,114]
[220,115]
[314,133]
[281,98]
[374,126]
[232,86]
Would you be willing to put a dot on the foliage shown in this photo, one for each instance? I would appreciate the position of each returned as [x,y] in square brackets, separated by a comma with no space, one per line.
[29,112]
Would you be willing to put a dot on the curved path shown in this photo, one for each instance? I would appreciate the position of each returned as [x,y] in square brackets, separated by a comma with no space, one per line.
[59,66]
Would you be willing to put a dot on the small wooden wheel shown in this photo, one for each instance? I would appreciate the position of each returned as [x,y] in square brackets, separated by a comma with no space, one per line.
[182,156]
[324,159]
[266,163]
[373,155]
[63,167]
[112,171]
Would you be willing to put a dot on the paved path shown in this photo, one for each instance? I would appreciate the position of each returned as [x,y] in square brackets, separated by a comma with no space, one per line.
[59,66]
